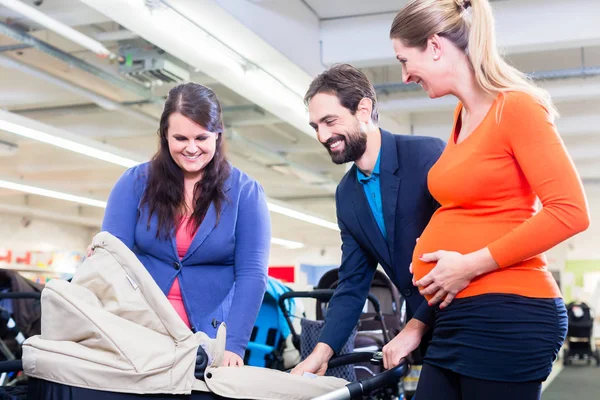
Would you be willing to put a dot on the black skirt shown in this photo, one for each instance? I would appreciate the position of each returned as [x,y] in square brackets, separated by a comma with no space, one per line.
[499,337]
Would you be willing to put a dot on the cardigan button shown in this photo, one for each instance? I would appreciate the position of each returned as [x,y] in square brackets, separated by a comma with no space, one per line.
[407,292]
[176,265]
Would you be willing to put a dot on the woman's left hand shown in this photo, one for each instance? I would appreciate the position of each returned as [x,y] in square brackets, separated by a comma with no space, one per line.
[450,275]
[232,360]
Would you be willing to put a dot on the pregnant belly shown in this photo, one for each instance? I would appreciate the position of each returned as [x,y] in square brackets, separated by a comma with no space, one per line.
[462,236]
[465,235]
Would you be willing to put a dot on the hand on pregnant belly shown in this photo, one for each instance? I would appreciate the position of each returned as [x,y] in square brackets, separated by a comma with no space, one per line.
[448,277]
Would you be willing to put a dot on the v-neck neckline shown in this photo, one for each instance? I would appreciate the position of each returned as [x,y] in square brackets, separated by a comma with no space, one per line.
[459,123]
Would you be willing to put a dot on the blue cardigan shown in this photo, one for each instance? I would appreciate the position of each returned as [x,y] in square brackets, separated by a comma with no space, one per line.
[223,275]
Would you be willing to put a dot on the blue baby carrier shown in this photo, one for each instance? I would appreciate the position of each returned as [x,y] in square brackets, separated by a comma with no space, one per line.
[267,341]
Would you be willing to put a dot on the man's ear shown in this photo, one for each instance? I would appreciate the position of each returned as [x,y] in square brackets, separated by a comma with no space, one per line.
[364,110]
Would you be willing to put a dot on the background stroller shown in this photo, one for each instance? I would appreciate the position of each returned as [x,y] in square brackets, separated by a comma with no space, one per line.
[16,302]
[276,344]
[370,335]
[20,316]
[580,335]
[270,343]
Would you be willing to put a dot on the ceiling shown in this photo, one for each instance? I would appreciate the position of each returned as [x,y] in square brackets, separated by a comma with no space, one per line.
[262,139]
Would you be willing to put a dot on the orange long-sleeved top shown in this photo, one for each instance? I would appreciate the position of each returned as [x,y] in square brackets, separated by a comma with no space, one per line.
[487,186]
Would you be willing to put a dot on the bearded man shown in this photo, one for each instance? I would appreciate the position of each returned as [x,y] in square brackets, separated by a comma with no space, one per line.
[383,204]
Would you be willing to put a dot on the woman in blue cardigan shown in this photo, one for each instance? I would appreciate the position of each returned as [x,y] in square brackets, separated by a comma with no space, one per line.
[200,226]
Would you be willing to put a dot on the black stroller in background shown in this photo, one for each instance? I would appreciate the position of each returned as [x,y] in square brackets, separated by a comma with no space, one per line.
[370,335]
[376,327]
[20,318]
[580,335]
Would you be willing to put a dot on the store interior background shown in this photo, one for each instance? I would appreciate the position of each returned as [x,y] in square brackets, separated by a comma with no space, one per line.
[266,128]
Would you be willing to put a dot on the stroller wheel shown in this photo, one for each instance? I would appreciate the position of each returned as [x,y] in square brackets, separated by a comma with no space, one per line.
[565,357]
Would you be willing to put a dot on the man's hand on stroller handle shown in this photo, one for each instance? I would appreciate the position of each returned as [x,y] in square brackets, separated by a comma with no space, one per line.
[404,343]
[316,362]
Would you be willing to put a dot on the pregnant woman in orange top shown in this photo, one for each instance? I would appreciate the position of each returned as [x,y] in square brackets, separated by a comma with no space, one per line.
[500,318]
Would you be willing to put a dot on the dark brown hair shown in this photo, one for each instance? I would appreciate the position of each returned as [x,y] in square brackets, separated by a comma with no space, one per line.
[349,84]
[164,194]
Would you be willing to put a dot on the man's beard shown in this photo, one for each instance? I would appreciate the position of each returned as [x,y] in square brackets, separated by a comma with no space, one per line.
[355,145]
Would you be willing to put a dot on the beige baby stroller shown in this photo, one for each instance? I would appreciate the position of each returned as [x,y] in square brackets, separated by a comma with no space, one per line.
[112,334]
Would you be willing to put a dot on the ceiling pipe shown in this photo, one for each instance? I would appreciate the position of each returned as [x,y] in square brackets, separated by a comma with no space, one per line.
[55,52]
[99,100]
[58,27]
[586,72]
[68,108]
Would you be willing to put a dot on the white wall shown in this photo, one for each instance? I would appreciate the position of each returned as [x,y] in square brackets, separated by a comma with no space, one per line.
[33,234]
[586,245]
[40,249]
[309,255]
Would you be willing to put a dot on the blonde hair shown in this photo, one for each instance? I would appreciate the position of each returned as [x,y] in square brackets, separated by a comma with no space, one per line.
[470,26]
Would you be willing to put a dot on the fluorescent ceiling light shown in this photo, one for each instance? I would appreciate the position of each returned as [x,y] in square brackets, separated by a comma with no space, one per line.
[302,216]
[9,123]
[57,27]
[51,193]
[102,204]
[183,29]
[287,243]
[265,82]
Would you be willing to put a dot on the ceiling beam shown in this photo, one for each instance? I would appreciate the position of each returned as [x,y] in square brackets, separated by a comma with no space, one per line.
[557,24]
[562,91]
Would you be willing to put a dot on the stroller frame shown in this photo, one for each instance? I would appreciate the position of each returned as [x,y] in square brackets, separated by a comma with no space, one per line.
[357,390]
[4,349]
[325,295]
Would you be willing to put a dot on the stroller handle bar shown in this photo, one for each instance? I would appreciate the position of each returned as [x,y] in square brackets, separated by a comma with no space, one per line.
[353,358]
[359,389]
[11,366]
[20,295]
[325,295]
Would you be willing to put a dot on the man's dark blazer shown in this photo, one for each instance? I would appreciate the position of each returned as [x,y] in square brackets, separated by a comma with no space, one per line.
[407,208]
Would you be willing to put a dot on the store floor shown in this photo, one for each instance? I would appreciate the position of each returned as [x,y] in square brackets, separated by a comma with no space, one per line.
[580,382]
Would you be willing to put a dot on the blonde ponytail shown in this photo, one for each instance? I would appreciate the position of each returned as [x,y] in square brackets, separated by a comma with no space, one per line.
[492,72]
[470,25]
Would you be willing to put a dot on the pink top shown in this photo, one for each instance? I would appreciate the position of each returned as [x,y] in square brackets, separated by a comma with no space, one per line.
[183,239]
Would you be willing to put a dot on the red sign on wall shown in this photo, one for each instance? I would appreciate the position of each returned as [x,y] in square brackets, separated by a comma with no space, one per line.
[284,273]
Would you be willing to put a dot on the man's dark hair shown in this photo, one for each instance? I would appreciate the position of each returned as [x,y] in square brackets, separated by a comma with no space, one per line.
[348,83]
